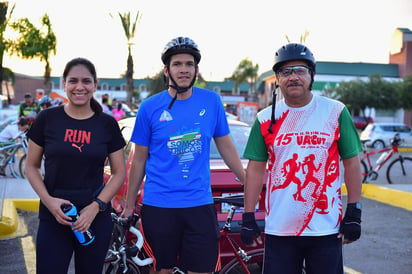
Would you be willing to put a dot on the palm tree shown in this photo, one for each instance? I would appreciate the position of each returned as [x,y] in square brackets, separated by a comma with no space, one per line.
[34,43]
[129,28]
[246,72]
[303,37]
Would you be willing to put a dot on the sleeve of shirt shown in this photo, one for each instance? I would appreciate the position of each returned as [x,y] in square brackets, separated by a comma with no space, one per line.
[222,126]
[118,141]
[9,133]
[349,144]
[142,128]
[256,149]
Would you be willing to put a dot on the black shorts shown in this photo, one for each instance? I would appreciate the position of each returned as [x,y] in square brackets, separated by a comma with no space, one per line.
[184,237]
[285,254]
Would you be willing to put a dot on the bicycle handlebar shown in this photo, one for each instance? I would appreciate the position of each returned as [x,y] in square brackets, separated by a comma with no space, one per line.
[396,140]
[124,222]
[236,200]
[128,223]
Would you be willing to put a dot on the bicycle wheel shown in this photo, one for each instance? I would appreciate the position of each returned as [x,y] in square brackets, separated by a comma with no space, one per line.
[22,166]
[364,170]
[112,267]
[3,164]
[254,264]
[400,171]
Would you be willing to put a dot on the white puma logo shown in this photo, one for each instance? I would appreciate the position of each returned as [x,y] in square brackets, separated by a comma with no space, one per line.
[78,147]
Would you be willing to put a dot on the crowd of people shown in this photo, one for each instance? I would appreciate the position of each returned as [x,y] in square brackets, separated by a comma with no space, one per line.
[299,140]
[28,110]
[115,108]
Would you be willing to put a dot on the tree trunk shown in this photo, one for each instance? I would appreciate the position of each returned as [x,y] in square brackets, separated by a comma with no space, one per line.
[3,13]
[47,80]
[129,80]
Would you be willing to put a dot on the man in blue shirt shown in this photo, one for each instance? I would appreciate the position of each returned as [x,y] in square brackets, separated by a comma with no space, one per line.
[172,138]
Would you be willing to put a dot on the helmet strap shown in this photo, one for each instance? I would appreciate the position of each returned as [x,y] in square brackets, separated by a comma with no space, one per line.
[272,117]
[179,89]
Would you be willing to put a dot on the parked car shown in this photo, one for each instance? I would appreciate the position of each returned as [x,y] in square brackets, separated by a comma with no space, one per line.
[223,181]
[361,122]
[231,116]
[378,135]
[129,112]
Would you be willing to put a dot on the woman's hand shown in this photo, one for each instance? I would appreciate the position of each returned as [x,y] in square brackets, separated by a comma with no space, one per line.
[54,206]
[86,217]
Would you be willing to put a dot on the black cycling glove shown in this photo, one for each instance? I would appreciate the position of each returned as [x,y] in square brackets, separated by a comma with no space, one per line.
[351,223]
[249,228]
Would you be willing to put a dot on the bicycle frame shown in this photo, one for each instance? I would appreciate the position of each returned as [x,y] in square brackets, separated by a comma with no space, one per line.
[238,256]
[370,172]
[119,250]
[239,253]
[9,152]
[367,155]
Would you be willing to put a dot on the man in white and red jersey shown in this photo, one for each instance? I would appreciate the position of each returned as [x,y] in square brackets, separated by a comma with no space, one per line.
[300,140]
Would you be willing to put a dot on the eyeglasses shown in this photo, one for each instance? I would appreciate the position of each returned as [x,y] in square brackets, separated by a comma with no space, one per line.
[287,71]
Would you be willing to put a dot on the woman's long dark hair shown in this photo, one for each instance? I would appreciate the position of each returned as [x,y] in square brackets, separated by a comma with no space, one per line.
[96,107]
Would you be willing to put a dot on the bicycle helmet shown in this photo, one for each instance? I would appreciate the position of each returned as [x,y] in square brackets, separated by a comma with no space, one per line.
[180,45]
[57,101]
[176,46]
[45,101]
[291,52]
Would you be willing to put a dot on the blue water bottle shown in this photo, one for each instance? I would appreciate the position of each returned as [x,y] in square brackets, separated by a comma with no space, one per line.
[84,238]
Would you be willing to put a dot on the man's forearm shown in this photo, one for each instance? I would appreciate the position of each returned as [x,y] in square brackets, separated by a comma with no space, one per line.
[353,179]
[255,176]
[135,179]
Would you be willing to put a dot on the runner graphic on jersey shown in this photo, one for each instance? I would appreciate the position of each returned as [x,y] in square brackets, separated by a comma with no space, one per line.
[289,170]
[309,162]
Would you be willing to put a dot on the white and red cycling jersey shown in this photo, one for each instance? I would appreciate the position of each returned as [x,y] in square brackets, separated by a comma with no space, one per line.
[303,191]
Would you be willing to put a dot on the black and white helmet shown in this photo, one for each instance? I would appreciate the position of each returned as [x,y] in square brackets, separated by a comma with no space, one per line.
[291,52]
[180,45]
[45,101]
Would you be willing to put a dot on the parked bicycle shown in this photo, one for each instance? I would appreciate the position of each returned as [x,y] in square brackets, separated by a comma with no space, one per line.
[125,254]
[12,153]
[242,261]
[399,170]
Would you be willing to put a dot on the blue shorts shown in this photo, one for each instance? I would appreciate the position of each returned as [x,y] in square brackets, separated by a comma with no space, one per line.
[183,237]
[285,254]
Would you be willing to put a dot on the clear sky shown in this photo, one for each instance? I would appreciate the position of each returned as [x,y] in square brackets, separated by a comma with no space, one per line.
[225,30]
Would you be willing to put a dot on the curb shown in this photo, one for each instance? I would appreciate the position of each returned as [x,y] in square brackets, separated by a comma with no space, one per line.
[385,195]
[9,220]
[389,196]
[405,149]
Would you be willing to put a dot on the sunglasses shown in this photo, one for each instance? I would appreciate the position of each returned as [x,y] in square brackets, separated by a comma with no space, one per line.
[287,71]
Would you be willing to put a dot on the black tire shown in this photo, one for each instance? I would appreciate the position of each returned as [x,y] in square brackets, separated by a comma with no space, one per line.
[110,267]
[254,264]
[378,144]
[22,166]
[3,165]
[364,170]
[400,171]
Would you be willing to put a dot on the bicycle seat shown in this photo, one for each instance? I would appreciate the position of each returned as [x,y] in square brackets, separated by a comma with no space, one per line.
[236,200]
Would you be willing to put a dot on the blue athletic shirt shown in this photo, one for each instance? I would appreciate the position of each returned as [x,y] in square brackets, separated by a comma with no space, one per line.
[177,168]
